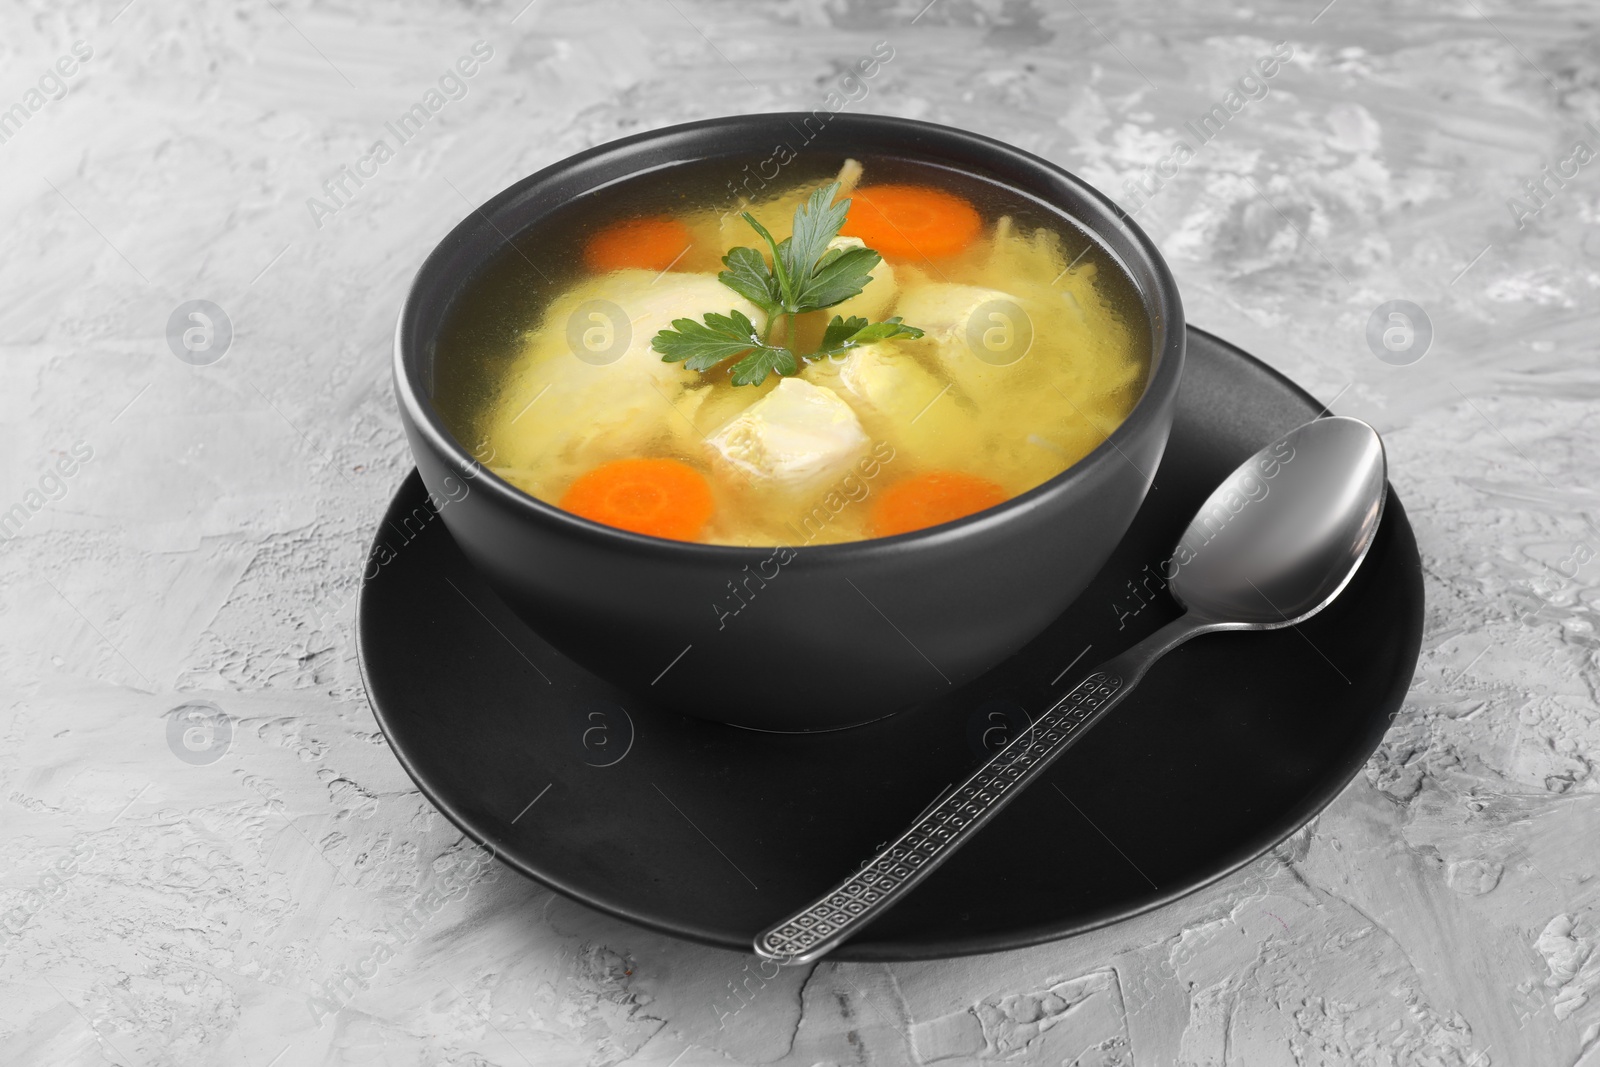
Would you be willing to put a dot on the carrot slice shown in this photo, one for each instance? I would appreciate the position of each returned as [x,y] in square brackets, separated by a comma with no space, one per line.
[659,497]
[931,499]
[911,221]
[643,244]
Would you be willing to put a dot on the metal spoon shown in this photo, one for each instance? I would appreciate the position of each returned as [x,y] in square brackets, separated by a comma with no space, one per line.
[1270,548]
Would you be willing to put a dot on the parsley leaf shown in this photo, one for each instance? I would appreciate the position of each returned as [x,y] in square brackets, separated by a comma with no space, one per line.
[815,224]
[806,275]
[844,334]
[701,346]
[782,283]
[747,275]
[803,275]
[839,275]
[753,369]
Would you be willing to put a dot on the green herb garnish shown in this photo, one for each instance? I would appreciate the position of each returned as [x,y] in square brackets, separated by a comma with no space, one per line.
[804,275]
[701,346]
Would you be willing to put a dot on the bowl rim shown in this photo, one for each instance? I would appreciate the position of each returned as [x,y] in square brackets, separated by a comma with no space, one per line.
[1161,385]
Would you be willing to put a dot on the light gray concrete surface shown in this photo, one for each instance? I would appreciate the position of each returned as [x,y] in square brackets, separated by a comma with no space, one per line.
[275,898]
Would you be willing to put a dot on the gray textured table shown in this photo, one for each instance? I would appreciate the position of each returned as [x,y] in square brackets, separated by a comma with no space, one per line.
[190,534]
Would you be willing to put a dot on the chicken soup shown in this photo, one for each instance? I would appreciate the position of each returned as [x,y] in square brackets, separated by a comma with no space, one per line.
[858,351]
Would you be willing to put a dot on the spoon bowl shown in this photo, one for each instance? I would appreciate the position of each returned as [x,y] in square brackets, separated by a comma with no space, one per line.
[1282,535]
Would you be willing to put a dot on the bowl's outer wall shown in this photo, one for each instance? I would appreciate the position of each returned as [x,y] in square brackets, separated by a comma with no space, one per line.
[825,641]
[830,635]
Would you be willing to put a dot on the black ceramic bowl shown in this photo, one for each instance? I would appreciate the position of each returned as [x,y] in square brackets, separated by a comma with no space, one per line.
[838,634]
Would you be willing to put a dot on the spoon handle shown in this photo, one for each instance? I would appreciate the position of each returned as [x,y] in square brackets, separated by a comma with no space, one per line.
[840,913]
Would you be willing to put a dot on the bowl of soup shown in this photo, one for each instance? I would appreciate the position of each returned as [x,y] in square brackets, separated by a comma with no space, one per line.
[790,421]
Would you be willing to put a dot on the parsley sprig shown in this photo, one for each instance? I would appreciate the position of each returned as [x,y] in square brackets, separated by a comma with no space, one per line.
[804,275]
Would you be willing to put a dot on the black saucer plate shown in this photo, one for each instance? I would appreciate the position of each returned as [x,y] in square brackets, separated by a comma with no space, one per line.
[712,833]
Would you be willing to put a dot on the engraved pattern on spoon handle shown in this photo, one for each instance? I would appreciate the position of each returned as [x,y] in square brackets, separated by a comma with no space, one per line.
[850,905]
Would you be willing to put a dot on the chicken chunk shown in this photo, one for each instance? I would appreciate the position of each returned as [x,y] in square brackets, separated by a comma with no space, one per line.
[886,382]
[979,335]
[578,326]
[873,302]
[900,401]
[796,436]
[587,383]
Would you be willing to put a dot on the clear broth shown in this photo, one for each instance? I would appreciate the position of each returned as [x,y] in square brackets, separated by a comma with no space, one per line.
[544,371]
